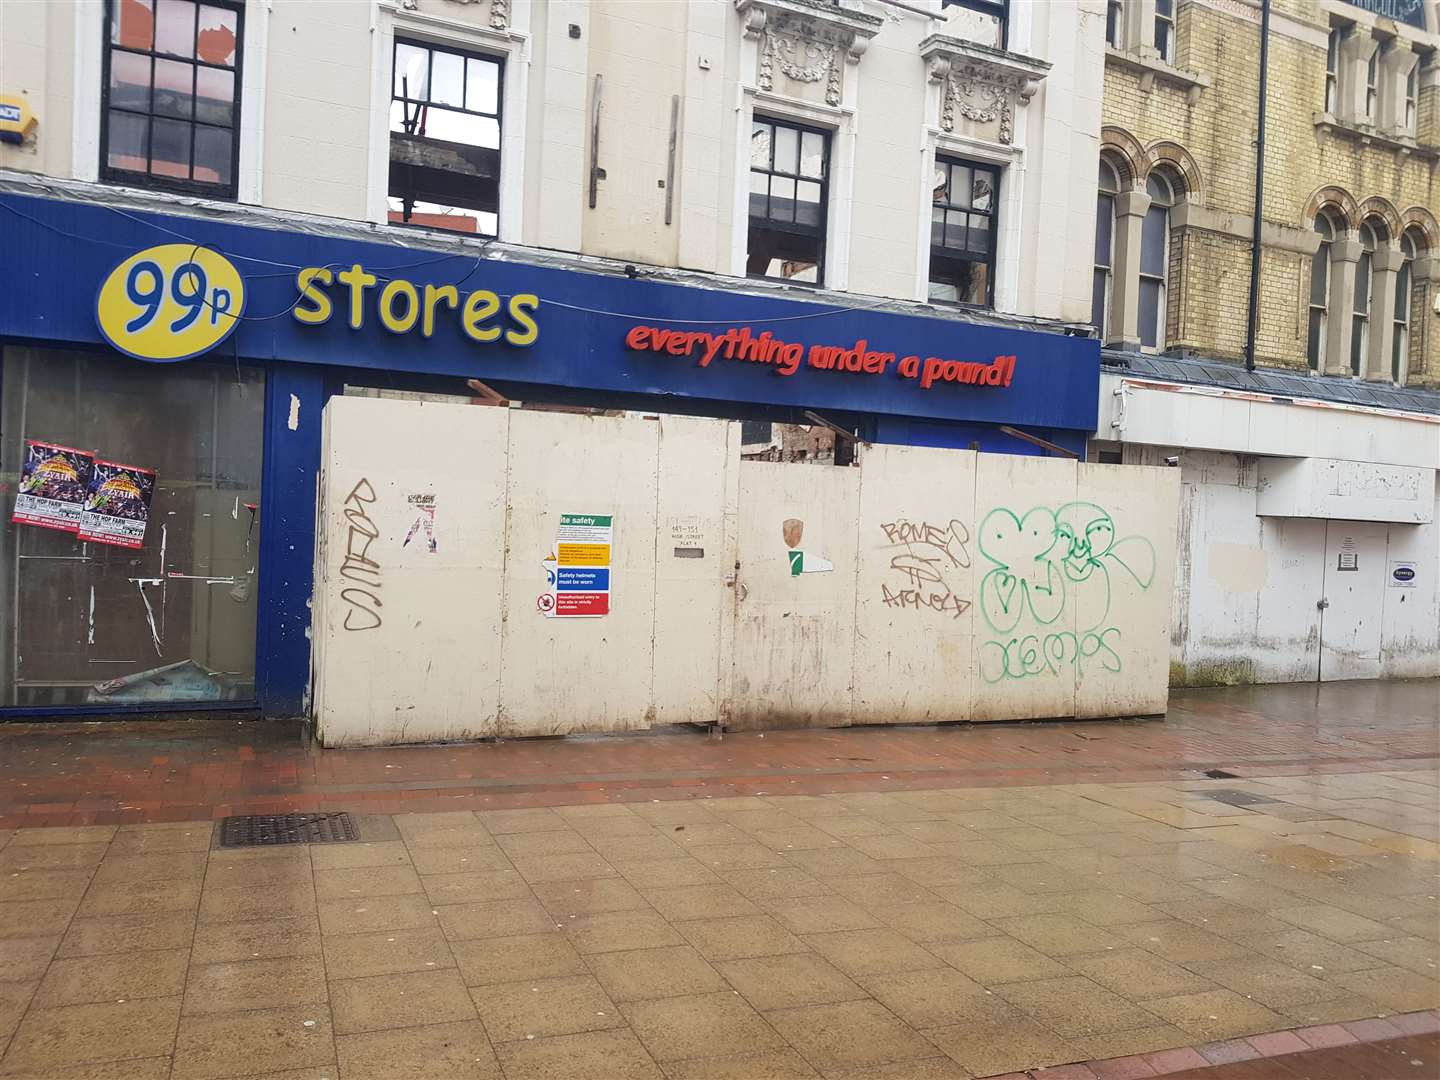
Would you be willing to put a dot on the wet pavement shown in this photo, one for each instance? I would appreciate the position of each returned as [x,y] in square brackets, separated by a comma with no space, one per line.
[188,769]
[1124,929]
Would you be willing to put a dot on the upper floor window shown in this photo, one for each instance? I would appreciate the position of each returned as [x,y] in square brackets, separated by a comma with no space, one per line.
[1114,22]
[962,232]
[1165,29]
[1319,293]
[984,22]
[1155,260]
[1404,284]
[445,139]
[1412,92]
[1332,70]
[789,174]
[1104,248]
[171,94]
[1372,234]
[1372,83]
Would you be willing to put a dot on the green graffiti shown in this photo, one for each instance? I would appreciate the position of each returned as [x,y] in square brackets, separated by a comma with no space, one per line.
[1042,562]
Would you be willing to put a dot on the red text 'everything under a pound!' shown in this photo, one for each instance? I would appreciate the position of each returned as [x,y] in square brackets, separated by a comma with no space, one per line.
[739,344]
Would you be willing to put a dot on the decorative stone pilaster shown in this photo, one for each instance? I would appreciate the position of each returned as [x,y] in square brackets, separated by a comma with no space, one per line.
[1344,255]
[804,43]
[1385,268]
[980,84]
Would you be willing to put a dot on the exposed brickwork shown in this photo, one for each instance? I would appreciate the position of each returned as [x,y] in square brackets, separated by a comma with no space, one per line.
[1208,300]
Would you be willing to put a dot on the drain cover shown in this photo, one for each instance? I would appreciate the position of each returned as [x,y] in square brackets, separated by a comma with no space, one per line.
[1237,798]
[266,830]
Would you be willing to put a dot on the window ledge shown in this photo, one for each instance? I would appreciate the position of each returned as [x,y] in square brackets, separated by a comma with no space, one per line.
[1402,145]
[1150,69]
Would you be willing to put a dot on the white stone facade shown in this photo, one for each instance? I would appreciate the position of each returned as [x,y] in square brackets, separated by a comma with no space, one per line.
[891,84]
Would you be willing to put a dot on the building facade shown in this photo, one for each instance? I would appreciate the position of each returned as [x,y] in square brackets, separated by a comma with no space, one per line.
[1308,547]
[1349,267]
[219,216]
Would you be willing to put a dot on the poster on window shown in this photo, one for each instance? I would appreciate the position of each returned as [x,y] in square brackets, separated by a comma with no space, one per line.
[117,504]
[53,483]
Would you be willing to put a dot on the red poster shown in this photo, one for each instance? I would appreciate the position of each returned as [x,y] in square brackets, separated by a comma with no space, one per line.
[582,603]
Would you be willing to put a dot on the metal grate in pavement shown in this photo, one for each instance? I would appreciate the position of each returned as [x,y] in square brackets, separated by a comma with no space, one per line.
[266,830]
[1237,798]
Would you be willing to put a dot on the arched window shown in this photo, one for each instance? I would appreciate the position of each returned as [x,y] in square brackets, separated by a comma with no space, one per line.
[1319,292]
[1410,245]
[1372,234]
[1155,259]
[1109,187]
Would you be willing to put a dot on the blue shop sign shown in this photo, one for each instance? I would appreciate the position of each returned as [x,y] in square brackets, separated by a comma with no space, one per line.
[267,294]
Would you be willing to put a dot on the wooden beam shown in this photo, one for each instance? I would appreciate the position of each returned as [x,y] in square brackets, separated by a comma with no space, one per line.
[1035,440]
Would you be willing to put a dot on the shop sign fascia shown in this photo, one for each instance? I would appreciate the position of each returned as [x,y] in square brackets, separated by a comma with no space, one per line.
[338,302]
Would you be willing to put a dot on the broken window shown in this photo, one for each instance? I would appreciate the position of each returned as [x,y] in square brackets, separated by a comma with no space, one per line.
[445,139]
[172,620]
[789,167]
[962,232]
[172,95]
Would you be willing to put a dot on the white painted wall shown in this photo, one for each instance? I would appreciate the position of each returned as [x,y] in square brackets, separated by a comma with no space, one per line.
[1248,586]
[937,605]
[1272,491]
[314,128]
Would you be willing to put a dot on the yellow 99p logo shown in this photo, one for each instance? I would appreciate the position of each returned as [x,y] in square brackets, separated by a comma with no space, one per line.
[170,302]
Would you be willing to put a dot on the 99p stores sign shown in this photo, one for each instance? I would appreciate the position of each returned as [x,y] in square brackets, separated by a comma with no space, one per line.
[170,302]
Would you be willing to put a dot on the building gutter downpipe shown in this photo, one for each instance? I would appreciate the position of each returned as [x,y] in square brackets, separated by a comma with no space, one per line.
[1253,315]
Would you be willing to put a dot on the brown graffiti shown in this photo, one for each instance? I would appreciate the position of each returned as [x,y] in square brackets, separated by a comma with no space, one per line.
[930,552]
[358,566]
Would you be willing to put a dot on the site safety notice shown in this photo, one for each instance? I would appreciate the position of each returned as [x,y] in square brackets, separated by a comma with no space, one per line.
[577,573]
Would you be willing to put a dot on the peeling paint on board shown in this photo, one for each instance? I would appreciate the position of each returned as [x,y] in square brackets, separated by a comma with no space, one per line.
[293,422]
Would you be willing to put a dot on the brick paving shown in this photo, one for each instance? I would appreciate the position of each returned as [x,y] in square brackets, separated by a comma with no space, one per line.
[1087,929]
[187,769]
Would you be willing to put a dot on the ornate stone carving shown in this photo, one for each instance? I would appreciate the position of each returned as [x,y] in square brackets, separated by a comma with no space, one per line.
[969,92]
[980,84]
[499,14]
[802,53]
[806,41]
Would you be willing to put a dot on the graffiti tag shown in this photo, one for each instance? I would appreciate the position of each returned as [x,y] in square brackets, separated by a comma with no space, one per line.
[358,567]
[930,552]
[1043,563]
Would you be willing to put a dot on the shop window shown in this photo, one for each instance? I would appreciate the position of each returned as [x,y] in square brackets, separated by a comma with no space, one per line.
[962,232]
[445,139]
[1104,249]
[984,22]
[1404,300]
[171,619]
[1332,70]
[1165,30]
[1319,293]
[1155,259]
[789,168]
[171,95]
[1114,23]
[1371,234]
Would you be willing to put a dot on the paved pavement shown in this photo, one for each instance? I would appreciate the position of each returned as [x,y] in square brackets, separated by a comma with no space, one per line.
[188,769]
[1106,929]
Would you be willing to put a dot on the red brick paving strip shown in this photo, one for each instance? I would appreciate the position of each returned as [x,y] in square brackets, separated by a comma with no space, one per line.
[196,768]
[1378,1056]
